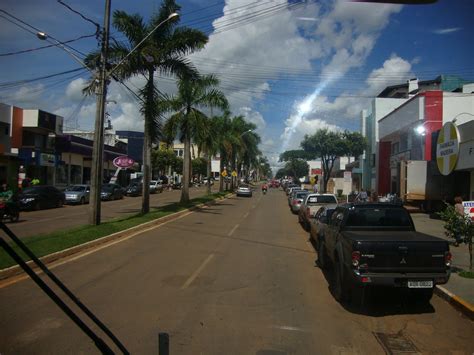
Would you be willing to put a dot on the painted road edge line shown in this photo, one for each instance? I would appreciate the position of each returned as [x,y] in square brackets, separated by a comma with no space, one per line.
[462,305]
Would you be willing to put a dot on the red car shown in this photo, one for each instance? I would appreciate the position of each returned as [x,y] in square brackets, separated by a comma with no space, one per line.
[275,183]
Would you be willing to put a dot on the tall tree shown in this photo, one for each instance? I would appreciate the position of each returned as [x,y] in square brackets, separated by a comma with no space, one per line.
[194,92]
[328,146]
[159,47]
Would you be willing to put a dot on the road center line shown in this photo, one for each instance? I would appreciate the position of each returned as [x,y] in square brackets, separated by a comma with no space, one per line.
[233,230]
[196,273]
[246,215]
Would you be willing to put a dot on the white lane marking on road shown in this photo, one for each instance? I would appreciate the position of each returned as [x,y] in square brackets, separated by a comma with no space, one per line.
[81,255]
[196,273]
[233,230]
[246,215]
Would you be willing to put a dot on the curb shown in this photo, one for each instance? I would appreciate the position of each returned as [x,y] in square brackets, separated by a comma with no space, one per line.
[48,259]
[457,302]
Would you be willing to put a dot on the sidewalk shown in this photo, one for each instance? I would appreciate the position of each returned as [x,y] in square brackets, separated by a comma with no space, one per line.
[458,289]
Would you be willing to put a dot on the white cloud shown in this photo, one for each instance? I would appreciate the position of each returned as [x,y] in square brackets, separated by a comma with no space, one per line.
[74,89]
[444,31]
[254,117]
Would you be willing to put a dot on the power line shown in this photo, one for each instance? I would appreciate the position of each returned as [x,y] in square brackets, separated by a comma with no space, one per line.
[21,23]
[27,81]
[97,26]
[43,47]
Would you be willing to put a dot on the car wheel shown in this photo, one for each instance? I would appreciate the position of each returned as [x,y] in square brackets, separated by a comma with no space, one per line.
[14,216]
[83,201]
[37,206]
[322,262]
[339,288]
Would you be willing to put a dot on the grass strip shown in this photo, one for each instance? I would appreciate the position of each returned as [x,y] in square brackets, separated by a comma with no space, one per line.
[46,244]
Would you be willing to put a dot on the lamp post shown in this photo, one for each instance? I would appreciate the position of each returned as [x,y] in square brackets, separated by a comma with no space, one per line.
[102,77]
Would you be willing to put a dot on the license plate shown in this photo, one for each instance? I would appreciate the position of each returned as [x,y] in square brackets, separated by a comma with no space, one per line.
[420,284]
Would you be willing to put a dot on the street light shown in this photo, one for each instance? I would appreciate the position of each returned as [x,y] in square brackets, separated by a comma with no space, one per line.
[102,76]
[247,131]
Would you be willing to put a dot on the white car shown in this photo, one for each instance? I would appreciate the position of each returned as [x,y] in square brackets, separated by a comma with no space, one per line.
[244,190]
[156,186]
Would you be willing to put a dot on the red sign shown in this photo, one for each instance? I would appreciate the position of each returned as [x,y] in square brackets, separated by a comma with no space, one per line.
[123,162]
[316,171]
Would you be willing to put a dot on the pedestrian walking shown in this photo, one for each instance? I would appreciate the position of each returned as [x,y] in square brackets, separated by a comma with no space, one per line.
[459,209]
[362,196]
[315,188]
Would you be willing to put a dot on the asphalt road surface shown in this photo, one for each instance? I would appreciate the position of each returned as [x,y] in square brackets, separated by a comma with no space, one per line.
[235,278]
[50,220]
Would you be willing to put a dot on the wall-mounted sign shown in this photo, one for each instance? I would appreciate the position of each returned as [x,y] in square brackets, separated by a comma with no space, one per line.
[447,148]
[123,162]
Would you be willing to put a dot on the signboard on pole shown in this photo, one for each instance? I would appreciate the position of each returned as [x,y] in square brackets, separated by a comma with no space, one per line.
[123,162]
[447,148]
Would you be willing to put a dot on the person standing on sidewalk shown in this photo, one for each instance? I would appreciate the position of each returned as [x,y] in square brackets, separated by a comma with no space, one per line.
[459,208]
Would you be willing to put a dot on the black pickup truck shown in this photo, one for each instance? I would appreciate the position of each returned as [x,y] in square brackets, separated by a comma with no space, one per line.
[376,244]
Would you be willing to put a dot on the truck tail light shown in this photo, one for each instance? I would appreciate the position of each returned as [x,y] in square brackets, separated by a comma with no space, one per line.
[448,258]
[355,258]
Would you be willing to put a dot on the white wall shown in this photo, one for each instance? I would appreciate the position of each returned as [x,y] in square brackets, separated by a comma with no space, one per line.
[30,118]
[406,115]
[458,105]
[382,107]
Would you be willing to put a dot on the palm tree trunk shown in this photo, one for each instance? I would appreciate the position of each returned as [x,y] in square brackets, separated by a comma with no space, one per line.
[146,171]
[147,144]
[209,168]
[186,168]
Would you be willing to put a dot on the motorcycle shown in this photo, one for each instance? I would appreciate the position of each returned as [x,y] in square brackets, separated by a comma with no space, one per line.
[9,210]
[264,189]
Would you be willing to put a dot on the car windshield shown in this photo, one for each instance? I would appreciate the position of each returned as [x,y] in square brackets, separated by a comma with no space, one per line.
[378,217]
[107,188]
[32,190]
[76,188]
[316,200]
[301,195]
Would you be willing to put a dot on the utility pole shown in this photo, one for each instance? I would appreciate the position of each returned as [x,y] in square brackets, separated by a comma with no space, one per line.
[98,147]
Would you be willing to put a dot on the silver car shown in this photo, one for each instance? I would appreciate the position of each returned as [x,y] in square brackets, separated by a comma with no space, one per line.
[77,194]
[156,186]
[297,200]
[244,190]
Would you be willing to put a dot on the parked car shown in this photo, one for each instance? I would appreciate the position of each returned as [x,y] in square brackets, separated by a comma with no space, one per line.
[134,189]
[111,192]
[319,224]
[376,244]
[40,197]
[244,190]
[289,188]
[77,194]
[155,186]
[297,199]
[312,204]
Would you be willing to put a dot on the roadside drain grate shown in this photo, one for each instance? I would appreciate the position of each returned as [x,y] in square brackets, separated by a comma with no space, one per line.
[396,344]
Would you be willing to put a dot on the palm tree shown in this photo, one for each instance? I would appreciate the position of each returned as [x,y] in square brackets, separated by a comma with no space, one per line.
[162,52]
[209,143]
[188,120]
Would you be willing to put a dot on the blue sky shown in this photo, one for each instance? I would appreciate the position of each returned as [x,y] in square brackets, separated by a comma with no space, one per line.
[299,67]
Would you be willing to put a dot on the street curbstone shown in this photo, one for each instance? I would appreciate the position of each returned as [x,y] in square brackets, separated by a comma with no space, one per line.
[50,258]
[457,302]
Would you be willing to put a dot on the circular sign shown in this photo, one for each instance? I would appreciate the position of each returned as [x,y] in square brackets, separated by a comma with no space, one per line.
[447,148]
[123,162]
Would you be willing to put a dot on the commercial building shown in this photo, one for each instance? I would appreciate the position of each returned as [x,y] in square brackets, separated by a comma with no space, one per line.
[390,99]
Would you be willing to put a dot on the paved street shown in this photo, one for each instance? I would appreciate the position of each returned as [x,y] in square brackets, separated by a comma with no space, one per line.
[45,221]
[235,278]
